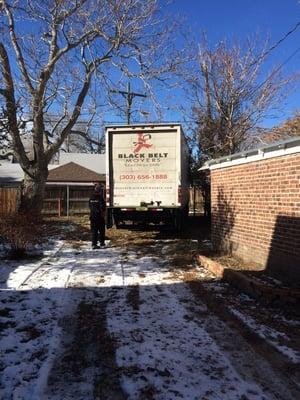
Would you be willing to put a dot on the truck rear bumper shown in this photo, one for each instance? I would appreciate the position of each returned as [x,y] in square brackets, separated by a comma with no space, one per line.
[171,216]
[144,215]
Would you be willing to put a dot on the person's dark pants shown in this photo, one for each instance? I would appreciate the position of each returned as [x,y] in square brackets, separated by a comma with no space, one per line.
[98,231]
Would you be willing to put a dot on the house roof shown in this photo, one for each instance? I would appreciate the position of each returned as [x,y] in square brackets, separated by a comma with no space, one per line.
[94,162]
[72,172]
[11,173]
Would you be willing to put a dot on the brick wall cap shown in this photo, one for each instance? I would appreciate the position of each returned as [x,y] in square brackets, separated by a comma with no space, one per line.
[276,149]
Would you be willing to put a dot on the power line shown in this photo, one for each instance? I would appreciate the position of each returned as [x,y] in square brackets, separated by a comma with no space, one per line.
[267,52]
[284,37]
[277,70]
[129,96]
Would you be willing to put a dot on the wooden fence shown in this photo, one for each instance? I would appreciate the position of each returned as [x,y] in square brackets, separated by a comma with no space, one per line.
[196,200]
[9,199]
[67,200]
[58,203]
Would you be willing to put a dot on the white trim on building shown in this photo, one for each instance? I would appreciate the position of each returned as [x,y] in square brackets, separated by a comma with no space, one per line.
[277,149]
[62,183]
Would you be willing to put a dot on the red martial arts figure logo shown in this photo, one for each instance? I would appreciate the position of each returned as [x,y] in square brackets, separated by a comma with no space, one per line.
[142,142]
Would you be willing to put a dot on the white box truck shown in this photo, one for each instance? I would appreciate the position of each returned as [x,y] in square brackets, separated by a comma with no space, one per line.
[147,174]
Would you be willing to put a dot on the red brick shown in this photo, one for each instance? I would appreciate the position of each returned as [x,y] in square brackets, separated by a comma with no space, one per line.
[257,205]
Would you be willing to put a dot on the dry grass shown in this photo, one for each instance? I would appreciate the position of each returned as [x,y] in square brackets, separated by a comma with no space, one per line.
[20,231]
[180,250]
[73,228]
[236,263]
[100,279]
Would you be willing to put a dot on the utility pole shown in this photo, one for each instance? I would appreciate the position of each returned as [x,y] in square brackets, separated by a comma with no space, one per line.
[129,96]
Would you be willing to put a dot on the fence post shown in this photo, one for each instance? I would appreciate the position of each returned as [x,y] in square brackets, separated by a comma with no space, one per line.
[68,200]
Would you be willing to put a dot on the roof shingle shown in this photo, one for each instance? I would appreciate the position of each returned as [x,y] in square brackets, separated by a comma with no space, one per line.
[72,172]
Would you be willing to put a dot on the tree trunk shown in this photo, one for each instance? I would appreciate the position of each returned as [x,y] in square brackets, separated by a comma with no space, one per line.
[33,192]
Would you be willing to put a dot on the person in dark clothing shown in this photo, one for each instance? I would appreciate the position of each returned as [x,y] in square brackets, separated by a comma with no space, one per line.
[97,216]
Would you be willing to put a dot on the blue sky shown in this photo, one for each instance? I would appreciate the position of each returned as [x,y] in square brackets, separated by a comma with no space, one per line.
[237,20]
[233,20]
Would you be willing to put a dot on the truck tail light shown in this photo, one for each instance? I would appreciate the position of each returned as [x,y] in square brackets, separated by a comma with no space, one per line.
[179,194]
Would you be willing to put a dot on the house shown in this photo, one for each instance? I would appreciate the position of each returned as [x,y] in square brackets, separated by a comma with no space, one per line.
[11,178]
[68,187]
[11,175]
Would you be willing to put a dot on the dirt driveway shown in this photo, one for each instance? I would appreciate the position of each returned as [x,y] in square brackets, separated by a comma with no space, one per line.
[123,323]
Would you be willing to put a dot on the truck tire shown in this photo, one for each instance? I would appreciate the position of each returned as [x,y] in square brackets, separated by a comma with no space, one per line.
[115,220]
[178,219]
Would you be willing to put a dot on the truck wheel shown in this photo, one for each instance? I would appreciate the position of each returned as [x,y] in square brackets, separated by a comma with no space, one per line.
[116,221]
[184,217]
[178,221]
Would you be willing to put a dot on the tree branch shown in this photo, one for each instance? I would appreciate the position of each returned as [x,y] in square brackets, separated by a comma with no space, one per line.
[19,55]
[76,112]
[11,107]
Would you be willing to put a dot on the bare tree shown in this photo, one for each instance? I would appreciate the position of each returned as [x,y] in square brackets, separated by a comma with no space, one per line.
[6,147]
[287,129]
[86,136]
[5,143]
[231,97]
[52,52]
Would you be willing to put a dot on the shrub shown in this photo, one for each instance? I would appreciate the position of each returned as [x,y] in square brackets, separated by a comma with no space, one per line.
[19,231]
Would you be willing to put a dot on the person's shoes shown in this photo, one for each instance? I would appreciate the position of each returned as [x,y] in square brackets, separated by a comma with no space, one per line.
[102,244]
[95,247]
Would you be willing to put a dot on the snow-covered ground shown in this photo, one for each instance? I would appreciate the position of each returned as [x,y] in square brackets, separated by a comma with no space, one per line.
[113,324]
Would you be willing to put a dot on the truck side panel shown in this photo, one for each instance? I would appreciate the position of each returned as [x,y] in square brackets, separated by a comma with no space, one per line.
[185,172]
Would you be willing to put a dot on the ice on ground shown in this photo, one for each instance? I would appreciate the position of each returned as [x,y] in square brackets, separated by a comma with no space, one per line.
[163,348]
[270,335]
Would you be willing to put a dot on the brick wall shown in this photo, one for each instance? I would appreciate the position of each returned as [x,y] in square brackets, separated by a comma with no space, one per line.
[256,213]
